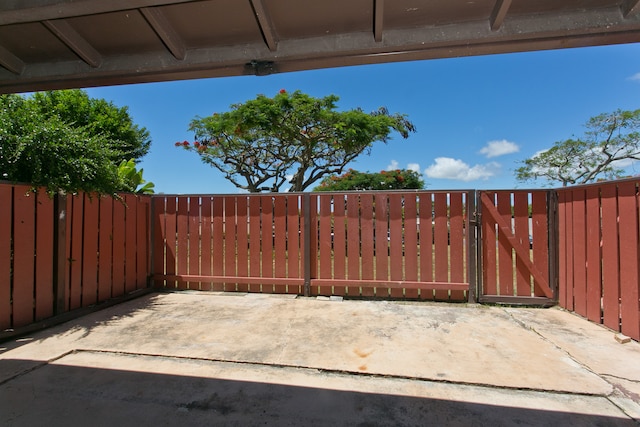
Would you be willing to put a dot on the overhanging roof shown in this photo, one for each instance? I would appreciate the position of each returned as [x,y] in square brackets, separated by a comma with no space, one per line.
[54,44]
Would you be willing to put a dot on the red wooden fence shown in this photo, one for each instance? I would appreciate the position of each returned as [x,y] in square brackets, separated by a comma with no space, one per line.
[599,257]
[105,252]
[63,254]
[399,245]
[228,243]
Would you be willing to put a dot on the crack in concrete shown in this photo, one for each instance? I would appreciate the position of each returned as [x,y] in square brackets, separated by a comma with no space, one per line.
[286,336]
[614,386]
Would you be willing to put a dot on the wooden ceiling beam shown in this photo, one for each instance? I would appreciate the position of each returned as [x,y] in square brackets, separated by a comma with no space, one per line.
[165,31]
[11,62]
[69,36]
[378,20]
[499,13]
[265,24]
[517,34]
[41,10]
[630,7]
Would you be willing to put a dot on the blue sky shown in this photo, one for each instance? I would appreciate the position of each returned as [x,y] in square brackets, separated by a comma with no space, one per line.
[476,117]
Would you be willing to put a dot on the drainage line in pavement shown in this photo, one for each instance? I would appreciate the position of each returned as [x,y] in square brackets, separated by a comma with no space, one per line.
[37,366]
[339,372]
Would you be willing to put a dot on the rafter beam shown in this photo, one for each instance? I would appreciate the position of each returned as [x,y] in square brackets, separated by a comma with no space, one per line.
[40,10]
[630,7]
[11,62]
[265,24]
[499,13]
[165,31]
[378,20]
[65,32]
[517,34]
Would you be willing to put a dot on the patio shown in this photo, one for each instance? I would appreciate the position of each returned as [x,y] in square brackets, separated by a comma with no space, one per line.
[195,358]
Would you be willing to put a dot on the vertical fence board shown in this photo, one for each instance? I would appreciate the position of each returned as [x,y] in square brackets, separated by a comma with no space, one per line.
[489,251]
[563,282]
[411,243]
[68,201]
[569,250]
[505,254]
[75,294]
[193,225]
[119,254]
[522,232]
[441,243]
[540,231]
[293,240]
[24,228]
[44,255]
[254,237]
[456,242]
[280,244]
[426,243]
[629,298]
[218,238]
[396,270]
[6,209]
[267,241]
[130,244]
[90,251]
[142,243]
[353,241]
[171,227]
[325,260]
[312,214]
[230,240]
[592,243]
[325,241]
[610,258]
[182,237]
[579,253]
[366,242]
[105,239]
[243,240]
[339,242]
[206,242]
[159,235]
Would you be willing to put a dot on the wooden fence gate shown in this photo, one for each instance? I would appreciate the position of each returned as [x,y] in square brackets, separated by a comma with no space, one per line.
[518,236]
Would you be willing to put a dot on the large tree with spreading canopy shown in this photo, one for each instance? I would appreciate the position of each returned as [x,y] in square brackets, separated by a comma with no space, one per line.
[289,141]
[612,140]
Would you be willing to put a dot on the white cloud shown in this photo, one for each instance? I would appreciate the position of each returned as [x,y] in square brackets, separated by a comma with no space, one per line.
[411,166]
[448,168]
[414,167]
[499,148]
[537,153]
[624,163]
[635,77]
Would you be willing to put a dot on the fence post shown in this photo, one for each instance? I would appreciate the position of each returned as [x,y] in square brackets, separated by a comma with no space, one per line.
[151,241]
[479,244]
[553,237]
[306,250]
[59,253]
[473,241]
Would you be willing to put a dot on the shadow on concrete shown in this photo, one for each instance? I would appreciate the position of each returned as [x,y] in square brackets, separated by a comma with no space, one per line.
[62,395]
[84,320]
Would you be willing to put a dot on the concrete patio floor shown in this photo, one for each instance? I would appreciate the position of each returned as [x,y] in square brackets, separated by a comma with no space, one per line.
[194,358]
